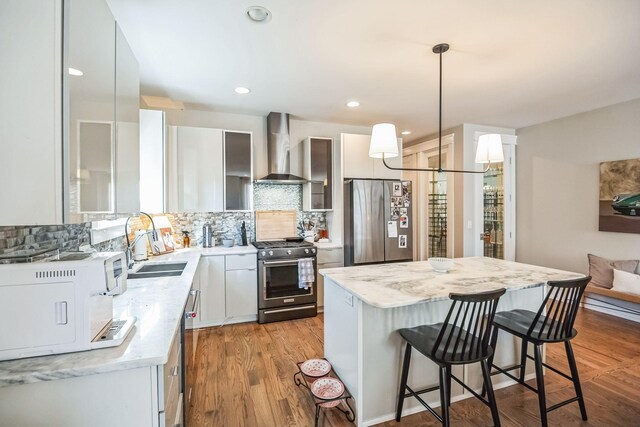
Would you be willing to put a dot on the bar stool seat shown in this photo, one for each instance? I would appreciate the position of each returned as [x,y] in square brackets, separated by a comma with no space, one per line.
[424,338]
[518,323]
[462,338]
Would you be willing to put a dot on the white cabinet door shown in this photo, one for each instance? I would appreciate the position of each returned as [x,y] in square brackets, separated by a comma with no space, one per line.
[358,164]
[212,290]
[31,112]
[355,155]
[199,170]
[242,293]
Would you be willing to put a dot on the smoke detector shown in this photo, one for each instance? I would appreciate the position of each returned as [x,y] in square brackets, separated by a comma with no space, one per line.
[259,14]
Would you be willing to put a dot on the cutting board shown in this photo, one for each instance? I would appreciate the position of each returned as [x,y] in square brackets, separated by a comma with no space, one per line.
[272,225]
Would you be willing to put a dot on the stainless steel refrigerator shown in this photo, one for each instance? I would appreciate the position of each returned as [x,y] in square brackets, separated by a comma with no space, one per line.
[378,223]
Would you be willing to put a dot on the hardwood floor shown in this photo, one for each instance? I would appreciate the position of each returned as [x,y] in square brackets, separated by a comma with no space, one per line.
[243,376]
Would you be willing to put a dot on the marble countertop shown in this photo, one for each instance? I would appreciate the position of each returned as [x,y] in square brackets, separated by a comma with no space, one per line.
[158,305]
[407,283]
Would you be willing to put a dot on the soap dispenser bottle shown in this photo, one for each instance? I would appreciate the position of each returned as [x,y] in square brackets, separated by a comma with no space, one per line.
[186,240]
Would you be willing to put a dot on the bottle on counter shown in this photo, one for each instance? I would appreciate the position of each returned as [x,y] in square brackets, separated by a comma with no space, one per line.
[243,234]
[207,236]
[186,240]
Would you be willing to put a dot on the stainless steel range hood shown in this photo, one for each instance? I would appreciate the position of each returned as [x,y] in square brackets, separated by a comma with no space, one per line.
[278,152]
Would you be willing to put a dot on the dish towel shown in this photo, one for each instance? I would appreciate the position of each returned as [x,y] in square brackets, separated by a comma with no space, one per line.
[306,275]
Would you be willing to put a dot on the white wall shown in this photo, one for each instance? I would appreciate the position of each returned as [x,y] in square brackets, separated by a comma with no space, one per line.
[558,179]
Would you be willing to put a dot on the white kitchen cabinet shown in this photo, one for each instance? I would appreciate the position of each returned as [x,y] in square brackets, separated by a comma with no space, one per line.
[228,290]
[358,164]
[148,396]
[241,287]
[327,258]
[169,378]
[64,126]
[31,112]
[212,292]
[241,293]
[196,169]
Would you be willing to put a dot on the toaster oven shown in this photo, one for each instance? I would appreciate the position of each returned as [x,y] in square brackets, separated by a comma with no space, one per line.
[61,306]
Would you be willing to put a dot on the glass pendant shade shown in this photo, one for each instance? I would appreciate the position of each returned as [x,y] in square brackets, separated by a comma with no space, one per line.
[383,141]
[489,149]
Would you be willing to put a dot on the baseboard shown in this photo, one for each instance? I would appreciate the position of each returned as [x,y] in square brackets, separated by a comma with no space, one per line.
[436,404]
[228,321]
[601,306]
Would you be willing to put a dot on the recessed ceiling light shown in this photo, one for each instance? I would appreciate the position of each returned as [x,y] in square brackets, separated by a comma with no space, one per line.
[406,132]
[75,72]
[242,90]
[353,104]
[258,14]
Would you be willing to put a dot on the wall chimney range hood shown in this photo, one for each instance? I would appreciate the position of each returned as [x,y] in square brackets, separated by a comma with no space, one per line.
[278,152]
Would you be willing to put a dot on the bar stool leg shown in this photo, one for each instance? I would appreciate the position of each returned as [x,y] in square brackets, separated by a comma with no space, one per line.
[492,342]
[492,398]
[444,396]
[576,379]
[449,384]
[523,359]
[542,401]
[403,380]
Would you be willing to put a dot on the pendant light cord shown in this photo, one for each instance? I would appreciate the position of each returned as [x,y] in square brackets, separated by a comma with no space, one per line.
[440,118]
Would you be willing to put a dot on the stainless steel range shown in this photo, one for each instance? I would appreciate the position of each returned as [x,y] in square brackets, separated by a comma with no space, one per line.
[280,297]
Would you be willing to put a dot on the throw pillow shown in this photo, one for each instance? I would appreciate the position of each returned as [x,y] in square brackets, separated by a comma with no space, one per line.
[601,270]
[626,282]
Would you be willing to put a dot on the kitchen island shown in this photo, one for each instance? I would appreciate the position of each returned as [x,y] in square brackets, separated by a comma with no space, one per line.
[366,305]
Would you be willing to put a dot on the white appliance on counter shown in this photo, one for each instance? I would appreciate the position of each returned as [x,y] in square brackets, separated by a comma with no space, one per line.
[61,306]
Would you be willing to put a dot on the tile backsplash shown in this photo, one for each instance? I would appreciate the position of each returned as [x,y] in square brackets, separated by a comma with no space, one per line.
[69,237]
[65,237]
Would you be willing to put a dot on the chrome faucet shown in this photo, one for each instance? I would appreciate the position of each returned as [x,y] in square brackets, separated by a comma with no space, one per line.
[153,233]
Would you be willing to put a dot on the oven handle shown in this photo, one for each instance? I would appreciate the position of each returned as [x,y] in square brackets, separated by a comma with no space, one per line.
[287,262]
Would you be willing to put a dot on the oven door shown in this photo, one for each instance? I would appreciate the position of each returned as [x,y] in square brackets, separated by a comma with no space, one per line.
[278,281]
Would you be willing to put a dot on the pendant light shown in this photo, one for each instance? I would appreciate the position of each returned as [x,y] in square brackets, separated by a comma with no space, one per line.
[384,143]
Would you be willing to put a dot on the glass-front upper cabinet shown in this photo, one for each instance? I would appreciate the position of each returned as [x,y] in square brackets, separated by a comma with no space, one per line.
[238,176]
[91,82]
[318,170]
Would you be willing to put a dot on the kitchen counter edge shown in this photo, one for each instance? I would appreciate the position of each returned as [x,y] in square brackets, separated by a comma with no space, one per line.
[158,305]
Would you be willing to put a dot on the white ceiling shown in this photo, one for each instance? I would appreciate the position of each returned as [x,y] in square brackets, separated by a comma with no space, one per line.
[511,63]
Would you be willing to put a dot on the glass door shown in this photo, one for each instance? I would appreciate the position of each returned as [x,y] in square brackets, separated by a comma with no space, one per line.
[494,212]
[437,208]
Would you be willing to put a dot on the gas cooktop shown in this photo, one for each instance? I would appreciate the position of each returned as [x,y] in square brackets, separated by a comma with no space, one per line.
[284,249]
[271,244]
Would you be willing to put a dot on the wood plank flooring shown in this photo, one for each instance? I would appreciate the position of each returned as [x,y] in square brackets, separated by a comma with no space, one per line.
[242,375]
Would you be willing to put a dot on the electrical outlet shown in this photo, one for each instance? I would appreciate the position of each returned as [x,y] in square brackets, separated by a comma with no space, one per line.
[348,298]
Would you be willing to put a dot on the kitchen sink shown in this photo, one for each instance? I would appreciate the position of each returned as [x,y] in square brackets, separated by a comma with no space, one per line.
[150,271]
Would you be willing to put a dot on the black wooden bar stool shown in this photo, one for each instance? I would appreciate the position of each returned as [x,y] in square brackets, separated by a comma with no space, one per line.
[462,338]
[561,304]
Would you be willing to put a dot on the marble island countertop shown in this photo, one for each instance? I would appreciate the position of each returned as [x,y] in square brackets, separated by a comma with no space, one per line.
[407,283]
[156,303]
